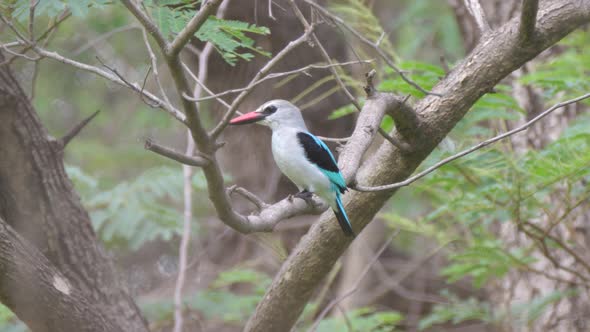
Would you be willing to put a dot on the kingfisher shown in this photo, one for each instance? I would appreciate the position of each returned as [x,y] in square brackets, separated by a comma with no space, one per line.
[301,156]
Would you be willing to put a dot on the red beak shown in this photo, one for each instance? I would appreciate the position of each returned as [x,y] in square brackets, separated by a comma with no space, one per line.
[247,118]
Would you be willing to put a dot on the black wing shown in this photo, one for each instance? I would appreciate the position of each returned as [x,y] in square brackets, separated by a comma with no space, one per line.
[317,152]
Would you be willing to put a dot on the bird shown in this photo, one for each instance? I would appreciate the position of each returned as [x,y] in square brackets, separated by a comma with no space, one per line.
[301,156]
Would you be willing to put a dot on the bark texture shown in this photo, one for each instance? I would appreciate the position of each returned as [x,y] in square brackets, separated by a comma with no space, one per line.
[38,201]
[496,56]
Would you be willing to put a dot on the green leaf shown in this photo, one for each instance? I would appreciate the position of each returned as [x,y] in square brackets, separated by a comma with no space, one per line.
[229,36]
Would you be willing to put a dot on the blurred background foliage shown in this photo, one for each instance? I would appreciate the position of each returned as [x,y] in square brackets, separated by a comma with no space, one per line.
[135,197]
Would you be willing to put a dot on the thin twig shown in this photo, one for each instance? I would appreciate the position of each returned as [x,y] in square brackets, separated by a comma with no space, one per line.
[63,142]
[131,85]
[203,86]
[187,173]
[154,61]
[372,45]
[277,75]
[471,149]
[198,161]
[259,203]
[338,79]
[111,77]
[34,4]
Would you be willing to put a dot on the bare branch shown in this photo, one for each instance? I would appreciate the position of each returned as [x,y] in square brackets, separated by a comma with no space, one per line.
[63,142]
[203,86]
[34,4]
[471,149]
[187,172]
[154,61]
[111,77]
[372,45]
[207,9]
[474,8]
[367,125]
[260,204]
[325,55]
[197,161]
[528,19]
[145,20]
[277,75]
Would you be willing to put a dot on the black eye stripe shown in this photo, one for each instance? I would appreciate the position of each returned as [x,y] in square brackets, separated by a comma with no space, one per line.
[269,110]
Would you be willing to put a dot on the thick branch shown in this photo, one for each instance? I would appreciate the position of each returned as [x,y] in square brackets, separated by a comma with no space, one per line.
[528,18]
[498,54]
[39,294]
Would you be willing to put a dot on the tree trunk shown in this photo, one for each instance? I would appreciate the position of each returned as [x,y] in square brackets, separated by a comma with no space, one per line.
[38,201]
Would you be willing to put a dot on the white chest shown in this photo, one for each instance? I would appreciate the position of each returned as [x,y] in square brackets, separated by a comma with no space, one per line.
[291,160]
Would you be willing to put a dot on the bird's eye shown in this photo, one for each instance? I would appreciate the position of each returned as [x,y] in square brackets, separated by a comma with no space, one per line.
[270,109]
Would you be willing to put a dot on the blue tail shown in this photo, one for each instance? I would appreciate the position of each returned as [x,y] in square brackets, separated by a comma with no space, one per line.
[343,218]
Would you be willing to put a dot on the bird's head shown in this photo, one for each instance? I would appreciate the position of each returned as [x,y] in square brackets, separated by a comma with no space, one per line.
[275,113]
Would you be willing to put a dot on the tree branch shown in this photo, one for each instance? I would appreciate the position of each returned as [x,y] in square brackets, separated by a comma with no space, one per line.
[369,43]
[474,148]
[207,9]
[198,161]
[76,129]
[474,8]
[113,78]
[496,56]
[39,294]
[276,75]
[261,73]
[146,21]
[528,18]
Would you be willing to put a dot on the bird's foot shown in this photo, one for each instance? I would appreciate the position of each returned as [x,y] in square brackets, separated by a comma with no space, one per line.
[305,195]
